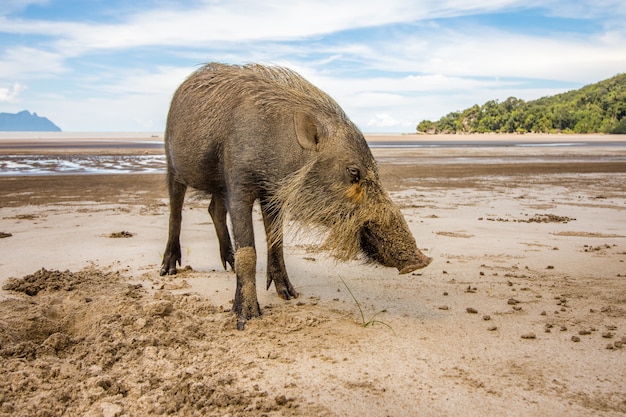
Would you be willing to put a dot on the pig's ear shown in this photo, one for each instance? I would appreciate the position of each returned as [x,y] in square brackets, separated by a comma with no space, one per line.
[307,131]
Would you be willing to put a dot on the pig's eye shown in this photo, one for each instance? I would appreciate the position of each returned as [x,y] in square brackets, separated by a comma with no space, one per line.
[355,174]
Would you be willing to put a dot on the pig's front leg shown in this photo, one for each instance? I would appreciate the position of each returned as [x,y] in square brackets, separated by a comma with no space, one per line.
[246,305]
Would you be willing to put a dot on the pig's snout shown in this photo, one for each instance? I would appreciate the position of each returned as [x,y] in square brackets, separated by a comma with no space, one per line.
[394,247]
[420,261]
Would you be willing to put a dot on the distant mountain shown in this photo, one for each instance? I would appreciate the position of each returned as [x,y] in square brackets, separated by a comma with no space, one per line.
[595,108]
[24,121]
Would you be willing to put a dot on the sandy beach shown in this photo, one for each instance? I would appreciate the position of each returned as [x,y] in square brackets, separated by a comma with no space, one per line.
[521,313]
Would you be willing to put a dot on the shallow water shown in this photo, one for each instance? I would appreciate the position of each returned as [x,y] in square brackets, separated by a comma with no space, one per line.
[80,164]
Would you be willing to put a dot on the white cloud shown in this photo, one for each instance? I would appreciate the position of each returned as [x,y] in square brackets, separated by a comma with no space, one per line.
[241,25]
[25,62]
[9,6]
[605,9]
[384,120]
[136,100]
[11,94]
[499,54]
[161,80]
[232,21]
[111,114]
[484,52]
[245,20]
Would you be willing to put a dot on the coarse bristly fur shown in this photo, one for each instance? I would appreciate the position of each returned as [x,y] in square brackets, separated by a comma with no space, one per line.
[273,89]
[332,212]
[314,206]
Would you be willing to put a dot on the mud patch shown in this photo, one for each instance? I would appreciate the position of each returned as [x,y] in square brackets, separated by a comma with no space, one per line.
[25,216]
[587,234]
[121,235]
[537,218]
[455,234]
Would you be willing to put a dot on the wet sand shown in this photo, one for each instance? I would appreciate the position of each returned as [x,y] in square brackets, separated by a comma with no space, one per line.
[522,312]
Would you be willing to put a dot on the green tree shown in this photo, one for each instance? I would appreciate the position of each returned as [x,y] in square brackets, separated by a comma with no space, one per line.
[426,126]
[596,108]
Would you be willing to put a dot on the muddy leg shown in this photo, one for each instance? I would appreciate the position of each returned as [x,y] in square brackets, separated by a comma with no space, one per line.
[276,270]
[172,249]
[246,305]
[217,210]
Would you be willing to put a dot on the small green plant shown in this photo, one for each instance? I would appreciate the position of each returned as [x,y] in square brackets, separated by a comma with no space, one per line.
[371,321]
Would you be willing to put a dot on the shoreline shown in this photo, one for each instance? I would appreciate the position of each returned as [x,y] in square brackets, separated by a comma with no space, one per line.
[61,143]
[45,137]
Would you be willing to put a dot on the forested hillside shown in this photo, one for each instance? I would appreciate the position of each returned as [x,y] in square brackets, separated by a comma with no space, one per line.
[596,108]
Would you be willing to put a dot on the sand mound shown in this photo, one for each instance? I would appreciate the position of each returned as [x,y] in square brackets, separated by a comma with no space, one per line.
[88,343]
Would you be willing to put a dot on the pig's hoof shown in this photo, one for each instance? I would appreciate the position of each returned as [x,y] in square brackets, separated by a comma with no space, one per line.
[245,313]
[168,266]
[168,271]
[228,259]
[287,293]
[284,289]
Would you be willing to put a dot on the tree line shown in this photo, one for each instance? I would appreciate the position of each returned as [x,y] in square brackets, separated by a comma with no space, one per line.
[596,108]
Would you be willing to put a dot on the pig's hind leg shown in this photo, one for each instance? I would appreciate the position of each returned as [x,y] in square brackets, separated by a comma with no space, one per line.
[217,210]
[276,270]
[172,255]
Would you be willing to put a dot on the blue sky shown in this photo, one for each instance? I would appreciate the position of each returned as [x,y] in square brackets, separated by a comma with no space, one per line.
[113,65]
